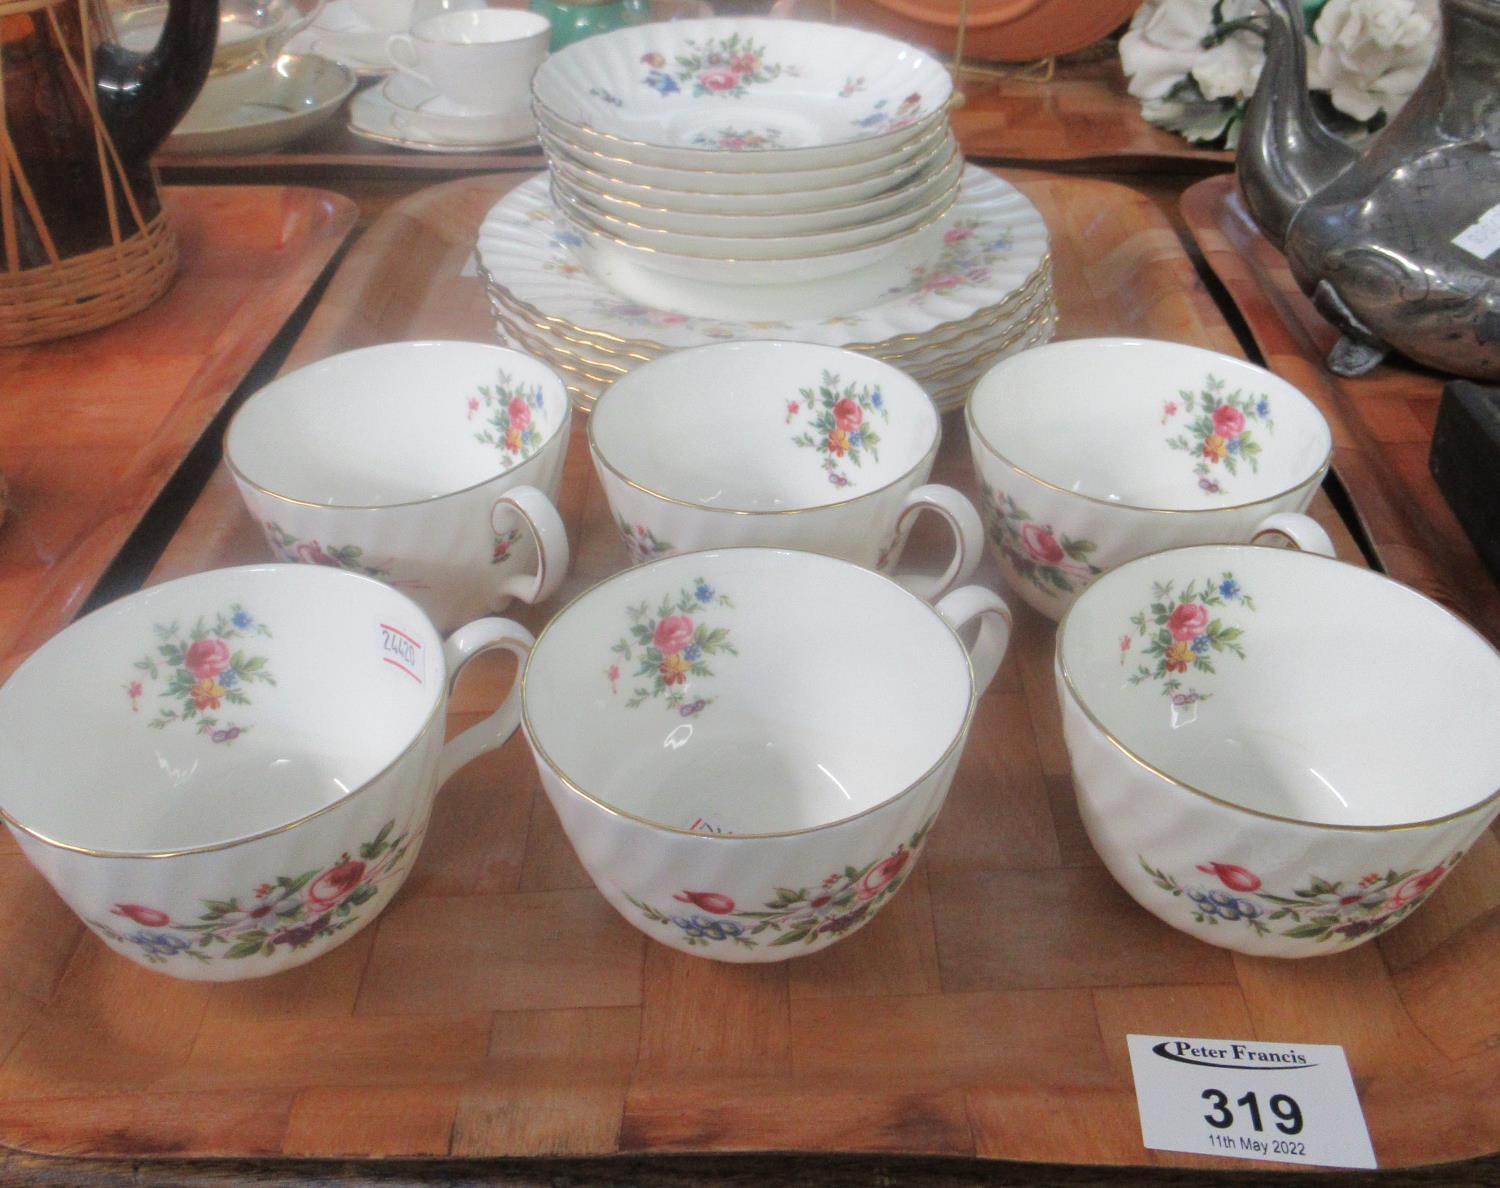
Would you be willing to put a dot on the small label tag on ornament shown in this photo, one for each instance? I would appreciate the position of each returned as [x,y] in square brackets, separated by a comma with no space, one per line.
[1481,238]
[1288,1103]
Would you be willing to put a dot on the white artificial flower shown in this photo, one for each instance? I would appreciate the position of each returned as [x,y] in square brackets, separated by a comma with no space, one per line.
[1165,45]
[1371,54]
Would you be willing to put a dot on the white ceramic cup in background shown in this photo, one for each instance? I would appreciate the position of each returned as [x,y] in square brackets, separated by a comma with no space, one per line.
[391,16]
[481,59]
[1095,451]
[1274,751]
[261,750]
[784,444]
[758,774]
[433,466]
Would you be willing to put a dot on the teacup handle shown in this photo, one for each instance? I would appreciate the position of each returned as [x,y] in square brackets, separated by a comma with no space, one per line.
[540,518]
[988,649]
[1305,533]
[403,55]
[463,645]
[968,538]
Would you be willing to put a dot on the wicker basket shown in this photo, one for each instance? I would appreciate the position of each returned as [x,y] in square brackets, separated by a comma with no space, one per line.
[68,294]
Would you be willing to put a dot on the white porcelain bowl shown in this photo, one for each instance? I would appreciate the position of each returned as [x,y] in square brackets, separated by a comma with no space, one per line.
[262,108]
[227,775]
[742,94]
[828,204]
[1094,451]
[781,244]
[917,192]
[1273,751]
[757,777]
[705,180]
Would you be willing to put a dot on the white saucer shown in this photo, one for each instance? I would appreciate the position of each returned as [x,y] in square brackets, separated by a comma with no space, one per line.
[262,109]
[422,113]
[341,36]
[374,117]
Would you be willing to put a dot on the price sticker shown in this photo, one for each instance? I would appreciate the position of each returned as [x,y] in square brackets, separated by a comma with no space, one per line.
[1289,1103]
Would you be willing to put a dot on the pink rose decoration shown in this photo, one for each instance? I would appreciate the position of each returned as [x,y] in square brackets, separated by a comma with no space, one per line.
[673,634]
[1236,878]
[1229,423]
[207,658]
[1187,622]
[718,80]
[653,59]
[744,63]
[957,234]
[520,414]
[882,873]
[330,887]
[847,415]
[150,917]
[311,553]
[709,901]
[1417,886]
[1041,544]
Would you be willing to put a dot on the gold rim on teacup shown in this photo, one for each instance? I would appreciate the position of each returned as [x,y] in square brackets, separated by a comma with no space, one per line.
[956,742]
[1124,749]
[562,422]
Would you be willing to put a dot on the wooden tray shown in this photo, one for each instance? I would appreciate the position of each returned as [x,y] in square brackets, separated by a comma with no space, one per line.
[499,1007]
[1382,423]
[92,427]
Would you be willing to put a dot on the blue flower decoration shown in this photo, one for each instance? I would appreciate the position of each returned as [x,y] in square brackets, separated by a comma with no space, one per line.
[1262,407]
[877,399]
[159,945]
[568,239]
[1200,646]
[228,679]
[662,84]
[703,592]
[1229,588]
[691,653]
[1233,446]
[242,620]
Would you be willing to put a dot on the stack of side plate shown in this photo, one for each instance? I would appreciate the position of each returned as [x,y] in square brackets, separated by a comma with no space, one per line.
[743,151]
[963,292]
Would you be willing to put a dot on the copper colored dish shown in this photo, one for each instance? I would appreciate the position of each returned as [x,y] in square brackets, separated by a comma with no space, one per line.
[998,30]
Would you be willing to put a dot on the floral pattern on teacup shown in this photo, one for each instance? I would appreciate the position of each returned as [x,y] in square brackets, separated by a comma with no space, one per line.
[738,140]
[287,915]
[1219,430]
[504,548]
[1054,562]
[1183,633]
[200,670]
[969,253]
[311,552]
[840,424]
[843,901]
[1323,910]
[669,648]
[509,410]
[722,66]
[641,544]
[884,118]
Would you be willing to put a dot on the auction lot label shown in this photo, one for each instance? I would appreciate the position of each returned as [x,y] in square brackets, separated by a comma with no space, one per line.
[1290,1103]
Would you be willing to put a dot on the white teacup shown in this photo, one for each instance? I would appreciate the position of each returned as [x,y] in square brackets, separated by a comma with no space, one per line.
[1273,751]
[1095,451]
[756,777]
[230,774]
[390,16]
[784,444]
[433,466]
[481,59]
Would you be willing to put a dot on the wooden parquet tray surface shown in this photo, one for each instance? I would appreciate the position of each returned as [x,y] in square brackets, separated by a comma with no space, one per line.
[499,1007]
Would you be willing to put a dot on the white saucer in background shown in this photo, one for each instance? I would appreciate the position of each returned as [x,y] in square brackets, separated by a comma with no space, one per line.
[264,108]
[426,122]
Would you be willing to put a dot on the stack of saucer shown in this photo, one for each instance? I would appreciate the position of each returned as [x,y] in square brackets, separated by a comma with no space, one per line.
[743,178]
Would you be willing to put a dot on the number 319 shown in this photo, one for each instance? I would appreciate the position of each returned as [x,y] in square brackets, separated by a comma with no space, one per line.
[1222,1117]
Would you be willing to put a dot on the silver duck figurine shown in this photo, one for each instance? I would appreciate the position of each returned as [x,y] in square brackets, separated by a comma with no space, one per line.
[1398,245]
